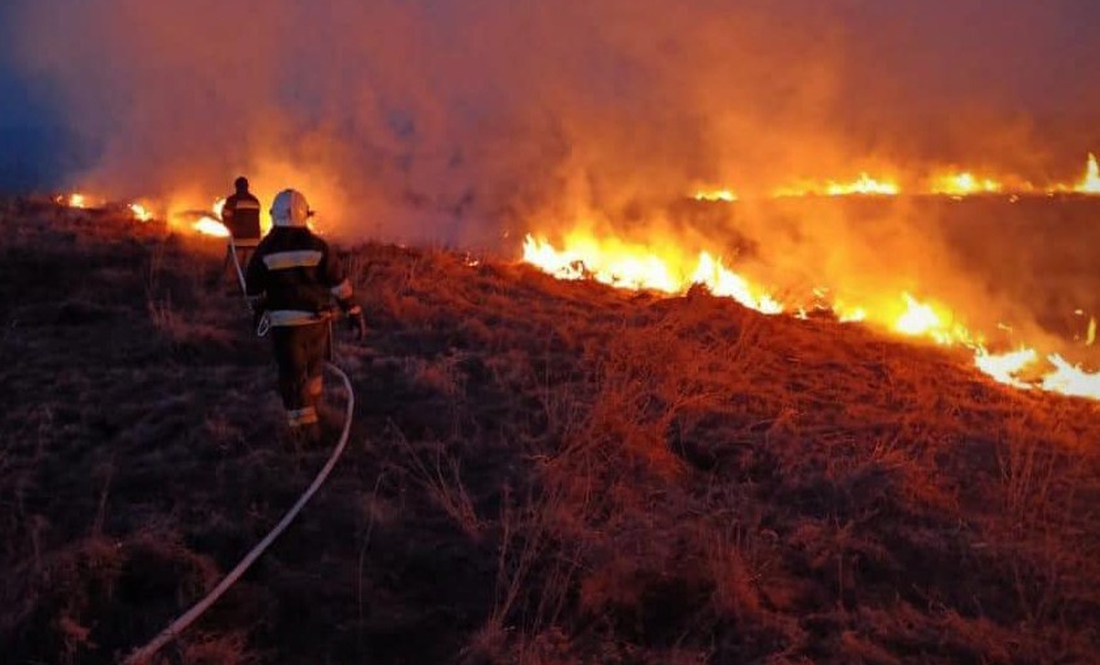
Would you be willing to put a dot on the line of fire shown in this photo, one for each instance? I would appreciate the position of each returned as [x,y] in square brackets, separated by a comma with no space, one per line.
[658,264]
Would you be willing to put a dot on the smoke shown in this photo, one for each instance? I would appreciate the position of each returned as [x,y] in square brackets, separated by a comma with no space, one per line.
[445,120]
[473,122]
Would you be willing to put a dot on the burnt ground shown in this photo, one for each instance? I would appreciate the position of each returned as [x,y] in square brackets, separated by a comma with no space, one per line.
[539,472]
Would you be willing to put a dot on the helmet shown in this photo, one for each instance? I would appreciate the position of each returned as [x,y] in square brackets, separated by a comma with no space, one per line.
[241,184]
[290,209]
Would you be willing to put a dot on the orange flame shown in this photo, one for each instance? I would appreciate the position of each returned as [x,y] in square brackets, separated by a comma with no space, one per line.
[1070,379]
[1090,184]
[716,195]
[635,266]
[1004,367]
[864,185]
[140,212]
[963,184]
[922,320]
[213,226]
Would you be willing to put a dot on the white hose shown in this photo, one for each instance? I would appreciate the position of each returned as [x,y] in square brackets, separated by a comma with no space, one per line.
[185,620]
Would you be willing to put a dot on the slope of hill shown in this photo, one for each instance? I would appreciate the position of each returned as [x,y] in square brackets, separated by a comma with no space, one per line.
[540,472]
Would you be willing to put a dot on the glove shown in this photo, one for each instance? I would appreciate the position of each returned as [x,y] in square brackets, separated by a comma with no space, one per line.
[357,324]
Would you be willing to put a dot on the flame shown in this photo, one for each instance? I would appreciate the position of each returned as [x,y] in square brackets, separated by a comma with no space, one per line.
[78,200]
[954,183]
[922,320]
[1004,367]
[716,195]
[637,266]
[213,226]
[963,184]
[1090,337]
[722,282]
[140,212]
[1090,184]
[1070,379]
[918,319]
[864,185]
[855,315]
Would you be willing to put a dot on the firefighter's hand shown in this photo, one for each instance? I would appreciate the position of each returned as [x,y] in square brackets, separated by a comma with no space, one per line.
[357,323]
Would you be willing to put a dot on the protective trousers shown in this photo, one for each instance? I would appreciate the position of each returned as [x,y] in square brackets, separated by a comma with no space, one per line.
[300,352]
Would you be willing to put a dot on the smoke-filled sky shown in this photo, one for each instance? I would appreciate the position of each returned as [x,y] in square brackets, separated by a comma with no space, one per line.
[452,120]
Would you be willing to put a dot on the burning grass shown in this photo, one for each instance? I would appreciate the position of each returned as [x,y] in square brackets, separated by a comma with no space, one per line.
[541,472]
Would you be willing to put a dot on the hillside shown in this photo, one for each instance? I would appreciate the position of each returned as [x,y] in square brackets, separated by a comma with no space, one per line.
[540,472]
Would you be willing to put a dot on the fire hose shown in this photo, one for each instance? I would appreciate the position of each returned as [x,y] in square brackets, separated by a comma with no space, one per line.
[179,625]
[174,629]
[237,266]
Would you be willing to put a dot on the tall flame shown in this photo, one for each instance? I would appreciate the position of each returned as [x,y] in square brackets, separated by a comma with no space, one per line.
[1090,184]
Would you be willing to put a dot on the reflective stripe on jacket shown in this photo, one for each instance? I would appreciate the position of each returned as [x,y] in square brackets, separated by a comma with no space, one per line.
[294,270]
[241,215]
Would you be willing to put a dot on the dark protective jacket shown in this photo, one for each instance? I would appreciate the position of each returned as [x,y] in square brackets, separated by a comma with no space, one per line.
[294,277]
[241,215]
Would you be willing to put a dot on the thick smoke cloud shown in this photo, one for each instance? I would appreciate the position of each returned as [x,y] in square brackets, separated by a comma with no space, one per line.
[448,120]
[472,122]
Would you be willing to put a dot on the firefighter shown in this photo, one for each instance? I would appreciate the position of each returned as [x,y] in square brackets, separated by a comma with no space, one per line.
[241,216]
[293,279]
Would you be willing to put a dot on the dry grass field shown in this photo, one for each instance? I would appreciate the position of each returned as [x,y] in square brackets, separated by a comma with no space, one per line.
[541,472]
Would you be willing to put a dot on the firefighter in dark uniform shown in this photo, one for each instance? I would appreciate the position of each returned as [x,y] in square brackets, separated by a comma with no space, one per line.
[293,279]
[241,216]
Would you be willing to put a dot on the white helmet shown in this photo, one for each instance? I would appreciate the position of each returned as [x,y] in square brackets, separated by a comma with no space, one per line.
[290,209]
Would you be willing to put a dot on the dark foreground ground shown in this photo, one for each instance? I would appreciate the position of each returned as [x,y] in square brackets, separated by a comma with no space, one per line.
[540,472]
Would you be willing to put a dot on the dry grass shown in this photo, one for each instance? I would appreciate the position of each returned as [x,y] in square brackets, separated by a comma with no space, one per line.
[542,473]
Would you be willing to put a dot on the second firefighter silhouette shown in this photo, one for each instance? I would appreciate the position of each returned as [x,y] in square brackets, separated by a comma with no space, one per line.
[241,216]
[293,279]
